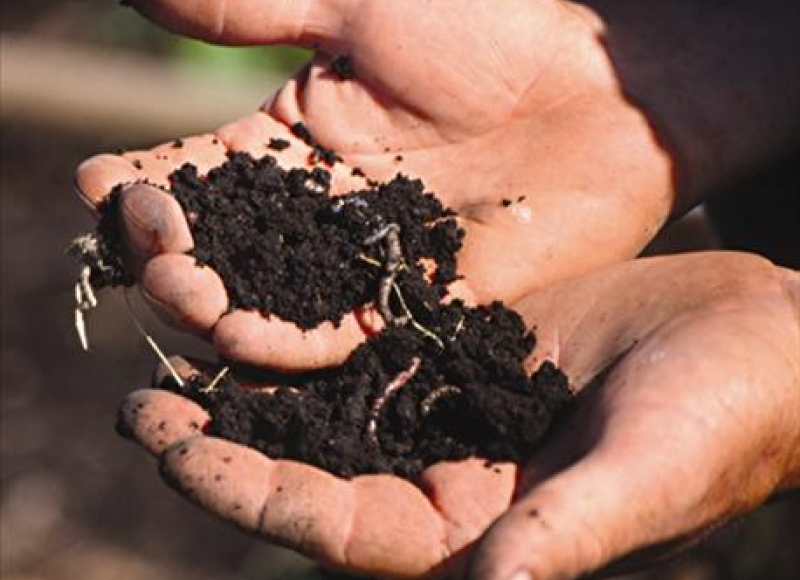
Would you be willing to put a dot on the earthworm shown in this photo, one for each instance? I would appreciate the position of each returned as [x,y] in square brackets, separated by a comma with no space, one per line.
[397,383]
[443,391]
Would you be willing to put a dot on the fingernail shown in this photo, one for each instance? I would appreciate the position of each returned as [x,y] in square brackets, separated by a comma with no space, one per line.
[153,222]
[521,575]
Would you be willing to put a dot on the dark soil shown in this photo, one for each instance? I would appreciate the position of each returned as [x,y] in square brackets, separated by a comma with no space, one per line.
[262,228]
[319,153]
[470,398]
[278,144]
[443,381]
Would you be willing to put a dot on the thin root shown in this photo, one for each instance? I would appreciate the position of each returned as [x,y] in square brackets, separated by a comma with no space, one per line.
[85,248]
[394,263]
[407,317]
[159,353]
[213,384]
[85,300]
[89,300]
[458,329]
[383,233]
[80,328]
[368,260]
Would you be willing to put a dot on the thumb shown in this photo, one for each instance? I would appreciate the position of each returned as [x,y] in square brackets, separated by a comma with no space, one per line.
[247,22]
[677,440]
[565,528]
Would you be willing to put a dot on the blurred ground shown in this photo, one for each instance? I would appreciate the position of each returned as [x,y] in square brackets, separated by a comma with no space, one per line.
[77,501]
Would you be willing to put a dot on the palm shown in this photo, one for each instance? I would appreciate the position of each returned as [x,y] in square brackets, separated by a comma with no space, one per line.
[486,102]
[417,87]
[465,102]
[654,413]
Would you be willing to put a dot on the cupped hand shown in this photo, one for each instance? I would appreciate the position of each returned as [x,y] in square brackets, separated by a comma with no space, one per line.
[510,112]
[688,413]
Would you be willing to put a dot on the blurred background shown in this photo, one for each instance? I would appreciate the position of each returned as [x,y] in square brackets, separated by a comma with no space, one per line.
[86,76]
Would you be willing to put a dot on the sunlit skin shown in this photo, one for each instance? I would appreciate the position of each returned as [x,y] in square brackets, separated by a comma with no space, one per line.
[542,102]
[694,401]
[501,124]
[689,370]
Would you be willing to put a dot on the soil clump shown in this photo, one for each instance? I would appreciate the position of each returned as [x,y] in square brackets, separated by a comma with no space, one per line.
[400,403]
[283,246]
[442,381]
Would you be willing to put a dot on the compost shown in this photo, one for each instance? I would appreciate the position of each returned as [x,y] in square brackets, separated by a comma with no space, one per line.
[442,381]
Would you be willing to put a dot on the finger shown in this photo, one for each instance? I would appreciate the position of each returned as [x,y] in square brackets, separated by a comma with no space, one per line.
[469,495]
[256,133]
[250,337]
[155,165]
[682,430]
[460,290]
[157,419]
[152,222]
[253,134]
[403,537]
[98,175]
[184,294]
[245,22]
[347,524]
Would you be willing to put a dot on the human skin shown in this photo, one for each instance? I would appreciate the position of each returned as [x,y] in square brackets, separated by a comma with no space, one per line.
[688,385]
[608,120]
[434,113]
[550,103]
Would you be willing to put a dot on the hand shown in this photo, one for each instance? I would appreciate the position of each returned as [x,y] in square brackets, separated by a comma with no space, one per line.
[688,414]
[484,101]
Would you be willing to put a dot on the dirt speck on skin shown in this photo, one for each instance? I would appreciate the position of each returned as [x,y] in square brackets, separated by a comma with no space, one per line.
[318,153]
[278,144]
[342,66]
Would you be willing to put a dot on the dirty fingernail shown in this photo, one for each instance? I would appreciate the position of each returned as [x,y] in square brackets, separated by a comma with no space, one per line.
[96,176]
[153,222]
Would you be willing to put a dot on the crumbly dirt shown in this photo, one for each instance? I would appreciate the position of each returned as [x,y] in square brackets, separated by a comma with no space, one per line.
[443,381]
[283,246]
[401,402]
[319,152]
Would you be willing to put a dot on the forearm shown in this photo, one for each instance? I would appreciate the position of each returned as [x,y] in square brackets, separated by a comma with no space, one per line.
[717,81]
